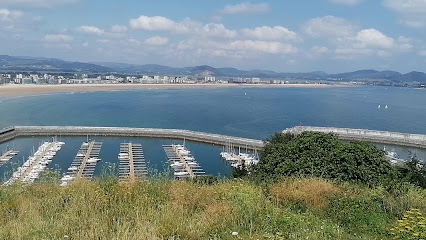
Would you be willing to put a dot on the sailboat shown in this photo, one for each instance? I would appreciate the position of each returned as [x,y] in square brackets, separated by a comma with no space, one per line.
[378,106]
[386,107]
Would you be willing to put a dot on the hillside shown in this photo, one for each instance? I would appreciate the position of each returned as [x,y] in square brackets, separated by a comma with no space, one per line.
[9,63]
[227,209]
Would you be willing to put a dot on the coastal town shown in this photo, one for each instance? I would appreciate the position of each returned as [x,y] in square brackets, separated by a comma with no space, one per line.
[55,79]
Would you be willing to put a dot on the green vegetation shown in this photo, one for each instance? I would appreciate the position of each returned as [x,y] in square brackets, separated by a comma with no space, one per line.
[312,154]
[163,209]
[317,188]
[411,226]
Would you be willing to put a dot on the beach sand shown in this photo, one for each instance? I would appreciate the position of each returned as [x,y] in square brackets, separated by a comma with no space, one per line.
[12,90]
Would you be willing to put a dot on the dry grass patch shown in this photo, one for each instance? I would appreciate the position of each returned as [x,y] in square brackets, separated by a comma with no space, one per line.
[314,193]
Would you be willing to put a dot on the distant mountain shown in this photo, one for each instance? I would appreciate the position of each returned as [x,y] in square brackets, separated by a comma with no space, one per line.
[10,63]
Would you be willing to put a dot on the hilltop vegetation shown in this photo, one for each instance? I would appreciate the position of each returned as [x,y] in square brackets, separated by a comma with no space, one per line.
[160,209]
[320,155]
[358,200]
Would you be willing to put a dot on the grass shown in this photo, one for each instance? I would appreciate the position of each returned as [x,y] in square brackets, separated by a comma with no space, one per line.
[164,209]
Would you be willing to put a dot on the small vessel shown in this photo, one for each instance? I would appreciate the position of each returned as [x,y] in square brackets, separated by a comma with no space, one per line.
[73,168]
[379,106]
[386,107]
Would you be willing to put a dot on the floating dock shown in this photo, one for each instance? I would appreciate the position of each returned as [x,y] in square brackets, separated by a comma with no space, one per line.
[84,163]
[182,162]
[132,164]
[7,156]
[36,164]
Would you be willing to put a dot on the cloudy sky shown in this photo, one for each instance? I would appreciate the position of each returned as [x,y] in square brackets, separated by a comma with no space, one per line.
[288,36]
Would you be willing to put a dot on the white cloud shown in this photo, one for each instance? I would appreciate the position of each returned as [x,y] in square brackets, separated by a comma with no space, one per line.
[246,8]
[346,2]
[412,12]
[372,38]
[118,29]
[157,23]
[406,6]
[270,33]
[422,53]
[319,50]
[370,42]
[103,40]
[157,41]
[58,38]
[163,24]
[9,15]
[36,3]
[263,47]
[329,26]
[90,30]
[217,30]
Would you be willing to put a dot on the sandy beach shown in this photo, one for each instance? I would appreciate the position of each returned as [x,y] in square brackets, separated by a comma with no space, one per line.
[12,90]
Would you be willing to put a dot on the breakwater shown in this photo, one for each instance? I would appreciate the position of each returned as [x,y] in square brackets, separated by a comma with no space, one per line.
[222,140]
[394,138]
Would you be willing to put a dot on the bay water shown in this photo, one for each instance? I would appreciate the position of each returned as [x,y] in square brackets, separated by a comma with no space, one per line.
[244,112]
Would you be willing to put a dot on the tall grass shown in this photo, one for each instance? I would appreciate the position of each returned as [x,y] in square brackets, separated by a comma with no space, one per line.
[165,209]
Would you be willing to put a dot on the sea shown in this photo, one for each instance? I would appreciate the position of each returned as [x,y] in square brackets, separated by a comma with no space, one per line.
[244,112]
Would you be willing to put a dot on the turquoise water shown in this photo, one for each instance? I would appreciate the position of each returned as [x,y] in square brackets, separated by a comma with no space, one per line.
[245,112]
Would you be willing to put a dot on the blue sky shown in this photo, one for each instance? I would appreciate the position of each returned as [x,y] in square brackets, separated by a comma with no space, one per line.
[287,36]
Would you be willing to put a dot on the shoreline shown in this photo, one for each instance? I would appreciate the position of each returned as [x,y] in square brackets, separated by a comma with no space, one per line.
[11,90]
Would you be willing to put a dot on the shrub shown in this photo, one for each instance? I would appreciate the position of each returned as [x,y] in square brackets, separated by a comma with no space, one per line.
[312,154]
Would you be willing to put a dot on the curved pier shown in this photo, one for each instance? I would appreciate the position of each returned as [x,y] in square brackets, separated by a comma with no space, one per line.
[22,131]
[394,138]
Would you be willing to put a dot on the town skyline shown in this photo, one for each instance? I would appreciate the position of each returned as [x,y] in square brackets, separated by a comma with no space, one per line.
[332,36]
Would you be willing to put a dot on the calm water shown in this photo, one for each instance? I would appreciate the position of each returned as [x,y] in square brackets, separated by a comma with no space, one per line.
[257,114]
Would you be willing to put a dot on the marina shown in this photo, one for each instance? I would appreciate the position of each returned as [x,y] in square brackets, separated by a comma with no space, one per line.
[84,163]
[7,156]
[240,160]
[132,164]
[182,162]
[36,164]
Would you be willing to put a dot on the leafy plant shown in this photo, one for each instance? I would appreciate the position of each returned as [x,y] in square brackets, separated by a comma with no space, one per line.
[411,226]
[312,154]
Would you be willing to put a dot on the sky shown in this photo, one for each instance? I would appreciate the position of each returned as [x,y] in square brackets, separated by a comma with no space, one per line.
[280,35]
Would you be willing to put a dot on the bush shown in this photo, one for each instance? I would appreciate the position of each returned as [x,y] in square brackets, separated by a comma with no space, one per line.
[312,154]
[413,171]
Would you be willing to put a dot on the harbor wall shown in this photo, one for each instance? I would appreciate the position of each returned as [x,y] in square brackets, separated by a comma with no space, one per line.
[393,138]
[22,131]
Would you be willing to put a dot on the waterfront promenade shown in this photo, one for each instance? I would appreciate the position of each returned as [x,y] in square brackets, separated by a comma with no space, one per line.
[394,138]
[221,140]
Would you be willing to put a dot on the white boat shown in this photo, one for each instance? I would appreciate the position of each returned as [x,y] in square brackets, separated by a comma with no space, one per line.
[73,168]
[93,160]
[386,107]
[180,174]
[379,107]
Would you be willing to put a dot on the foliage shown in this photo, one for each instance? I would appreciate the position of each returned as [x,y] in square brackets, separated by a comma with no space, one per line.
[321,155]
[166,209]
[413,171]
[411,226]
